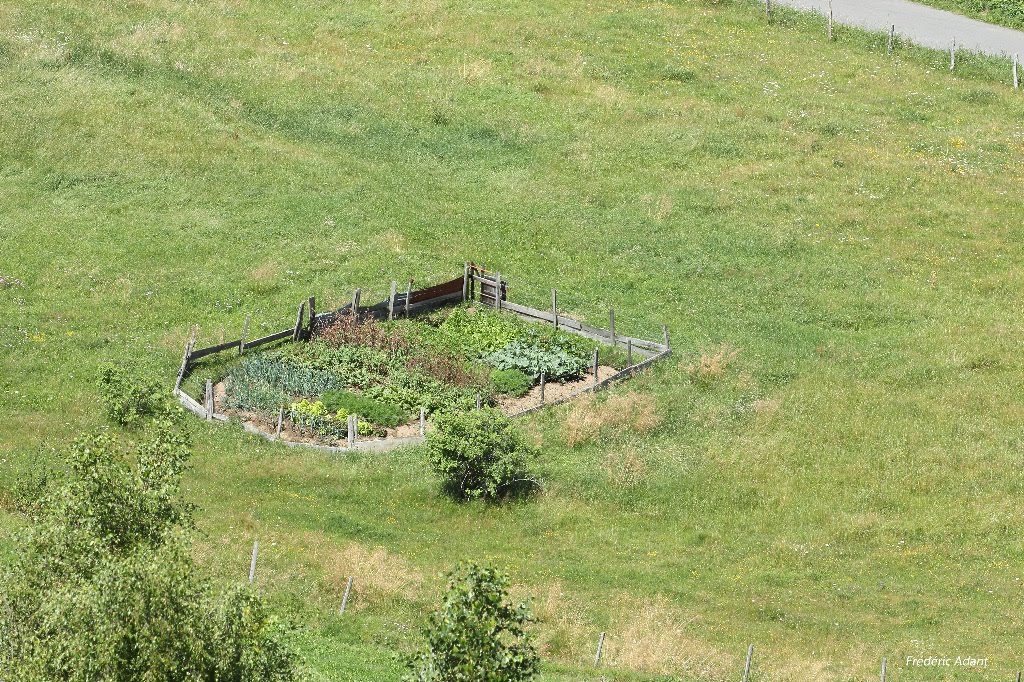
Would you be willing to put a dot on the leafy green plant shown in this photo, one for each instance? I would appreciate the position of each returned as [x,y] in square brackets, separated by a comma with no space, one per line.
[511,382]
[314,417]
[412,391]
[263,382]
[105,588]
[449,369]
[478,634]
[478,454]
[472,332]
[128,397]
[373,411]
[555,362]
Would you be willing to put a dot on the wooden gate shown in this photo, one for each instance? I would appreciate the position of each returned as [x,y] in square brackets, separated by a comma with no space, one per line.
[493,289]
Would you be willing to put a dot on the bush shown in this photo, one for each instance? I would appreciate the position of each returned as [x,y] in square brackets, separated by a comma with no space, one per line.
[510,382]
[555,362]
[128,397]
[373,411]
[477,635]
[105,588]
[478,454]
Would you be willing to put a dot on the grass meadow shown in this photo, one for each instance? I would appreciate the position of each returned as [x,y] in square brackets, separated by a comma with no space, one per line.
[1006,12]
[829,467]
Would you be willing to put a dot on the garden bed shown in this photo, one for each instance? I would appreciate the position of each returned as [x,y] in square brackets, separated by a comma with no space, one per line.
[373,376]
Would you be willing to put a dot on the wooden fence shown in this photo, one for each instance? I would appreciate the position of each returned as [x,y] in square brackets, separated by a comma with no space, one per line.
[492,292]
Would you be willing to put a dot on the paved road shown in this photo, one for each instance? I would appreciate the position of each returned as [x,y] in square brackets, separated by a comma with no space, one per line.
[923,25]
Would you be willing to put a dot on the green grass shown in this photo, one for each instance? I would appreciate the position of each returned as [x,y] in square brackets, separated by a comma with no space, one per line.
[1006,12]
[848,488]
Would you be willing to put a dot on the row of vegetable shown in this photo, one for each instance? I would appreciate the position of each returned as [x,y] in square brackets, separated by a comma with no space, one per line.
[384,372]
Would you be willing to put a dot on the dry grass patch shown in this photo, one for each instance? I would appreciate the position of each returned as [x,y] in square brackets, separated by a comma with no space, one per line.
[378,572]
[564,632]
[652,636]
[391,241]
[625,467]
[589,416]
[710,367]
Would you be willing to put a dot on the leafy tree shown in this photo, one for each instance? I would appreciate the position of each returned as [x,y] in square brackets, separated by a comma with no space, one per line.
[478,454]
[105,588]
[477,635]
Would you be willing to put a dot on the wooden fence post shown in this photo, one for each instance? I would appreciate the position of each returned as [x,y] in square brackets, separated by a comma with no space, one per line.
[350,431]
[664,334]
[280,421]
[465,280]
[883,669]
[478,403]
[355,301]
[185,359]
[831,34]
[344,600]
[952,55]
[892,36]
[252,564]
[423,421]
[600,648]
[312,316]
[554,306]
[595,366]
[746,668]
[297,334]
[391,301]
[209,399]
[497,291]
[542,378]
[629,353]
[1016,80]
[611,324]
[245,333]
[408,295]
[768,8]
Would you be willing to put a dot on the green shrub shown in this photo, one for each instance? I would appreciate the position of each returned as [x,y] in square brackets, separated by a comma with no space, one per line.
[127,397]
[104,586]
[555,362]
[373,411]
[478,454]
[510,382]
[477,634]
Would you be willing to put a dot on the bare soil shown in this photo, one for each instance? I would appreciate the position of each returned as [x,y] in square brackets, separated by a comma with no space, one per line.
[553,391]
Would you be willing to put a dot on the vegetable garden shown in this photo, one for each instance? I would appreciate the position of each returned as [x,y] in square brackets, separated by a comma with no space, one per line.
[362,375]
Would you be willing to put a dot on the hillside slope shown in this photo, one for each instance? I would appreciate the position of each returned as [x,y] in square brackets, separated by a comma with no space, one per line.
[836,232]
